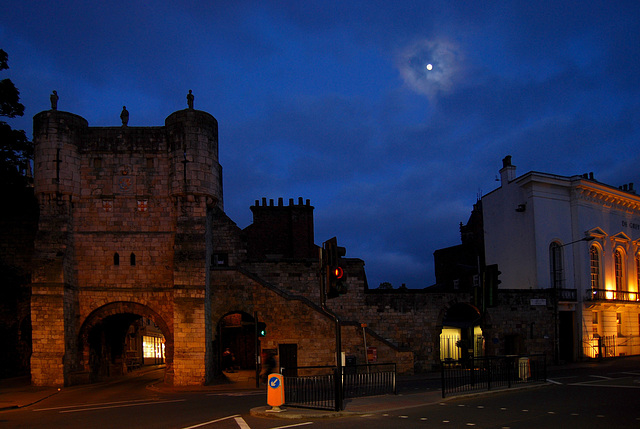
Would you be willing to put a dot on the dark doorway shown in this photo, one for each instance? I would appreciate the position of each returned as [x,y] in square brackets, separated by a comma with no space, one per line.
[237,332]
[566,336]
[289,358]
[513,344]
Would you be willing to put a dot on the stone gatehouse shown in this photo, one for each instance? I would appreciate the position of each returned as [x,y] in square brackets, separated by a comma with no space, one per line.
[132,225]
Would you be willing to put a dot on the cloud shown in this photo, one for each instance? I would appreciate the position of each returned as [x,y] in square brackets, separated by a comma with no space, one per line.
[431,67]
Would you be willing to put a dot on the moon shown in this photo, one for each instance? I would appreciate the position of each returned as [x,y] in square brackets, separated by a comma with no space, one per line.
[429,66]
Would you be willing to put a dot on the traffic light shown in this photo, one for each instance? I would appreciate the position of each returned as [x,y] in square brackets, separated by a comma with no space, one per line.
[336,279]
[262,329]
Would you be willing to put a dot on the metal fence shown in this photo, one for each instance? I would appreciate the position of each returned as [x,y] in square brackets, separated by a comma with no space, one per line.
[610,346]
[451,347]
[369,380]
[492,372]
[312,387]
[319,387]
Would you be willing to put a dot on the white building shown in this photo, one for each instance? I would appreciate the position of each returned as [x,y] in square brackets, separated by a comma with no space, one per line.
[580,238]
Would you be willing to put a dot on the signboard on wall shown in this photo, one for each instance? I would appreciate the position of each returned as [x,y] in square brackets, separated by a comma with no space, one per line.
[372,354]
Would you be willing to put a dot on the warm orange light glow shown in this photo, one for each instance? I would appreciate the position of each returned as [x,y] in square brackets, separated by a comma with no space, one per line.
[609,294]
[338,272]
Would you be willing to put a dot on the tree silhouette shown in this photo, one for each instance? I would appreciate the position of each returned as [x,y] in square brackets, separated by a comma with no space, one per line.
[16,151]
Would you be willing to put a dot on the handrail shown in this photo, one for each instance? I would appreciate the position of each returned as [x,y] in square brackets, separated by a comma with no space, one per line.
[611,295]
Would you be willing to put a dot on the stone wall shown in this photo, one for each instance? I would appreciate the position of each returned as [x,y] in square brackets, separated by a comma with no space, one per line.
[521,322]
[132,223]
[125,226]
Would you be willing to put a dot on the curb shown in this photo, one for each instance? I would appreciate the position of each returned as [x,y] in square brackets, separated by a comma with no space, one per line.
[300,413]
[16,407]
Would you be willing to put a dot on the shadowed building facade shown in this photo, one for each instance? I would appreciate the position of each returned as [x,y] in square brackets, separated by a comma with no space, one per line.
[132,227]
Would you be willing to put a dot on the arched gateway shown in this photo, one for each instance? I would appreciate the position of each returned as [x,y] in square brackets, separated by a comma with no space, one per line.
[122,235]
[110,341]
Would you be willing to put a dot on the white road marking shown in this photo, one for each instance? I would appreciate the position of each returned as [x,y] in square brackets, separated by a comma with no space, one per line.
[90,405]
[212,421]
[120,406]
[293,426]
[241,423]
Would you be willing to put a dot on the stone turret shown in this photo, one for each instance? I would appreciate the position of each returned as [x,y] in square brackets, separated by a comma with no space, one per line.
[192,138]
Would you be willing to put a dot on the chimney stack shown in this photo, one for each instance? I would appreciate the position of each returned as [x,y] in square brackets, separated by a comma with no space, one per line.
[508,171]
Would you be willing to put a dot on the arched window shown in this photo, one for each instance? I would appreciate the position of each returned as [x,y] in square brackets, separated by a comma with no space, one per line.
[132,259]
[555,257]
[116,259]
[594,256]
[618,263]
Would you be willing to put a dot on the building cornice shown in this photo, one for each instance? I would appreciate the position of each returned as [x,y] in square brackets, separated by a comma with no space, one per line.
[606,196]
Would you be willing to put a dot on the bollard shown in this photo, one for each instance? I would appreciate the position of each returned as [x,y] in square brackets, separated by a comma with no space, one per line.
[275,393]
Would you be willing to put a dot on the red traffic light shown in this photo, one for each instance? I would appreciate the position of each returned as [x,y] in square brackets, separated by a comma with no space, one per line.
[338,273]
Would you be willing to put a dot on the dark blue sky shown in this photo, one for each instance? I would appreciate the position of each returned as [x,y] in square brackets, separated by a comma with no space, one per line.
[332,101]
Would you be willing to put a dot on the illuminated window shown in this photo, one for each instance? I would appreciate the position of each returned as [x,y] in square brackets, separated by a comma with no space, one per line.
[594,255]
[152,349]
[618,261]
[555,255]
[619,323]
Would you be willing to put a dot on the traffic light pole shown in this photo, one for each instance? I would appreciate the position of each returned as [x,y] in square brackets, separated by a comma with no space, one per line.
[323,297]
[257,348]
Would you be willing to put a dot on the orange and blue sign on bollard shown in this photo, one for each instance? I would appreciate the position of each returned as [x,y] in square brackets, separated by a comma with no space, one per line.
[275,391]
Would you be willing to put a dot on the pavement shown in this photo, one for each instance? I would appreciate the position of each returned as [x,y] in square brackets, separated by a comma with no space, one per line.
[19,393]
[16,393]
[356,406]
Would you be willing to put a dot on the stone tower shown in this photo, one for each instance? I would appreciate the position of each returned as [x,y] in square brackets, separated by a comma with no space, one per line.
[122,233]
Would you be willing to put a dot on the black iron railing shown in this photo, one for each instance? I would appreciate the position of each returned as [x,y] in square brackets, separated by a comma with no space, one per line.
[318,386]
[310,387]
[567,295]
[611,295]
[492,372]
[369,380]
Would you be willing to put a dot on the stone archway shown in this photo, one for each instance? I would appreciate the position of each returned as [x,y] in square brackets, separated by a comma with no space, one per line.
[236,331]
[461,336]
[119,315]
